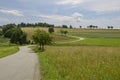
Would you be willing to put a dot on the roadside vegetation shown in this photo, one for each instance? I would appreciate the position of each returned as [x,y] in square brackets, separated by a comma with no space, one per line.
[95,57]
[6,48]
[11,37]
[80,63]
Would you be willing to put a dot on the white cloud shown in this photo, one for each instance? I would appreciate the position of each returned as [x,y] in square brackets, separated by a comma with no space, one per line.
[77,16]
[103,6]
[11,12]
[93,5]
[76,19]
[72,19]
[73,2]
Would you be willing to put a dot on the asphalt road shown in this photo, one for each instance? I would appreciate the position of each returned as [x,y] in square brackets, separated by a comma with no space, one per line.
[21,66]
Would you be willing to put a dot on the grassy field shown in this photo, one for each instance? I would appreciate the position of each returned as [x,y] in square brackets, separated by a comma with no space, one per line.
[80,63]
[92,37]
[57,37]
[6,49]
[93,42]
[94,58]
[98,34]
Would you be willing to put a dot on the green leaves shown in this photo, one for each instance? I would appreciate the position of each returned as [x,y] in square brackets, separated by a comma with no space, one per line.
[42,38]
[18,36]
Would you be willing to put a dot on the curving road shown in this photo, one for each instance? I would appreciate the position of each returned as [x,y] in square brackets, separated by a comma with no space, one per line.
[78,39]
[21,66]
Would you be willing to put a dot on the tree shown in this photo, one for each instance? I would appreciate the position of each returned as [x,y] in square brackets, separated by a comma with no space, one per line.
[23,38]
[18,36]
[7,27]
[71,27]
[65,32]
[0,32]
[64,26]
[41,38]
[62,31]
[9,33]
[80,26]
[92,27]
[110,27]
[51,29]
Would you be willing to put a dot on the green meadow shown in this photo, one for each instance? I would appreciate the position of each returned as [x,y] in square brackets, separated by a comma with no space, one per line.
[6,48]
[80,63]
[97,57]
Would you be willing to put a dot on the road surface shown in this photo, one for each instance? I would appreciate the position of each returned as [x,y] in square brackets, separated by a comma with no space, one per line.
[78,39]
[21,66]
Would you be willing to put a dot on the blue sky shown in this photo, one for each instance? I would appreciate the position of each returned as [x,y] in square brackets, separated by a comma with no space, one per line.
[58,12]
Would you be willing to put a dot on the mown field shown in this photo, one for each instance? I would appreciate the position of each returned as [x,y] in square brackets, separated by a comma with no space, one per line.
[7,49]
[97,57]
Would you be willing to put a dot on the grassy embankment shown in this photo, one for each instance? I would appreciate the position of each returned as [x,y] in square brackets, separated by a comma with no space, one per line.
[6,49]
[98,61]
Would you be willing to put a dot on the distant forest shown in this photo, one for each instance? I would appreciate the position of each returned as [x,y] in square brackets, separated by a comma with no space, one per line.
[39,24]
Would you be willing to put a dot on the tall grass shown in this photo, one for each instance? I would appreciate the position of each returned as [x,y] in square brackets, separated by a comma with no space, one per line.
[80,63]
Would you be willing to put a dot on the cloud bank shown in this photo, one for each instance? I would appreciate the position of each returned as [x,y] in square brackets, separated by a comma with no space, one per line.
[11,12]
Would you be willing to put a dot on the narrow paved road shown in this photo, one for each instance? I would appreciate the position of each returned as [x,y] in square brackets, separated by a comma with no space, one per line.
[21,66]
[78,39]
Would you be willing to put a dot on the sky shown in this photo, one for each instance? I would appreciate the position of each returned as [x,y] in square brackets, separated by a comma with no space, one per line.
[77,13]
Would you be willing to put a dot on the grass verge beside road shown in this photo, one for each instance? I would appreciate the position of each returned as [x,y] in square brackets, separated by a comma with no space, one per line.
[6,48]
[80,63]
[6,51]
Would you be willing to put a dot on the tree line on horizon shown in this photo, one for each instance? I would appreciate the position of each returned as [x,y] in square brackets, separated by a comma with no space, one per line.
[22,24]
[40,24]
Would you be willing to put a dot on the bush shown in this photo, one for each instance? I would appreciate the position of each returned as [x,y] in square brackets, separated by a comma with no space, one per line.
[51,29]
[63,32]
